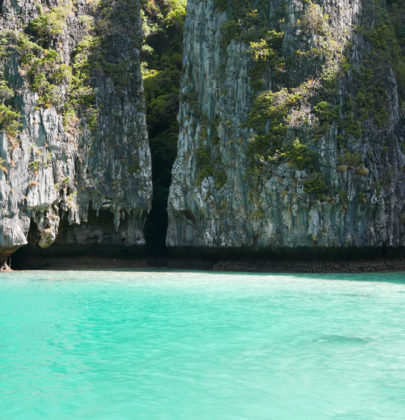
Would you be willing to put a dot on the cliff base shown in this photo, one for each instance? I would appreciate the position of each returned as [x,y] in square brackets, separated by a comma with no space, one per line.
[232,260]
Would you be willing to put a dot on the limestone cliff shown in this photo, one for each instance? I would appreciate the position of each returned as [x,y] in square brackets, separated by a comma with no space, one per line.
[75,164]
[292,126]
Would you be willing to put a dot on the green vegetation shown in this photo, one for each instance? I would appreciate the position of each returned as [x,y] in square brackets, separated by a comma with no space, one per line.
[81,97]
[246,24]
[283,116]
[384,36]
[299,155]
[6,92]
[250,25]
[353,162]
[326,113]
[47,75]
[114,25]
[266,52]
[282,111]
[44,70]
[314,20]
[276,114]
[295,154]
[50,24]
[9,121]
[316,185]
[65,87]
[163,22]
[208,163]
[35,165]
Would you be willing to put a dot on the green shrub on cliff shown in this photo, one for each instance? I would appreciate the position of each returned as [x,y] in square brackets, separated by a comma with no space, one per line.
[5,91]
[51,23]
[9,120]
[316,185]
[66,87]
[43,69]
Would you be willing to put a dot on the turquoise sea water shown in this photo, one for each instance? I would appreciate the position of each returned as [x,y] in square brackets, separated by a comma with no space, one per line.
[188,345]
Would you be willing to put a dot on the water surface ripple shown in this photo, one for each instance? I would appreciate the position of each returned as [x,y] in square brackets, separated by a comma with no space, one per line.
[193,345]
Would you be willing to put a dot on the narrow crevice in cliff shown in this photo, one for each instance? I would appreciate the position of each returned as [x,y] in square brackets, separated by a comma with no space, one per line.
[163,24]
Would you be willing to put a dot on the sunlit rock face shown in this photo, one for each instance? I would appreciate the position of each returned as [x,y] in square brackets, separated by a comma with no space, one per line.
[70,70]
[291,126]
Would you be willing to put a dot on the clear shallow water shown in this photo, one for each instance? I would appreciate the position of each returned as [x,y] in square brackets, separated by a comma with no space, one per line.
[154,345]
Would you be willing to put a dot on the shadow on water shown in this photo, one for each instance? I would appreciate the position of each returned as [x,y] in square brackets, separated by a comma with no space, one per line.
[342,339]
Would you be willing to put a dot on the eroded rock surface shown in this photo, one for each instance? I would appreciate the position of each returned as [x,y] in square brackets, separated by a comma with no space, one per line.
[77,143]
[292,126]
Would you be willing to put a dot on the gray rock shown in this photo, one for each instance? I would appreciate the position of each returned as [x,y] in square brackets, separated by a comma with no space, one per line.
[217,200]
[56,172]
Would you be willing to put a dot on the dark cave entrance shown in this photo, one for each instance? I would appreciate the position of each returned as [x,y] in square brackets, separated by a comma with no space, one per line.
[161,66]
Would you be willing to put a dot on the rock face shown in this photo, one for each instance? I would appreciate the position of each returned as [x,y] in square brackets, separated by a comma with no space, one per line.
[75,164]
[292,126]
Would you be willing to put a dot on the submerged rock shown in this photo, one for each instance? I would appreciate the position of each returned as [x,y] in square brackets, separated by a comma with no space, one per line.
[292,126]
